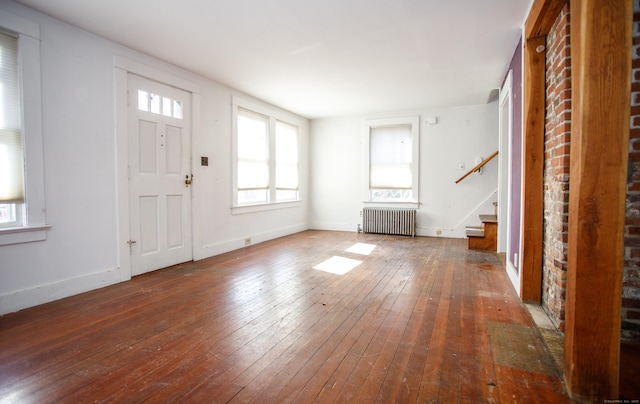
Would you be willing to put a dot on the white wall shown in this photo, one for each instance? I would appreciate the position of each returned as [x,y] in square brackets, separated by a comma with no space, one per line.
[461,135]
[82,250]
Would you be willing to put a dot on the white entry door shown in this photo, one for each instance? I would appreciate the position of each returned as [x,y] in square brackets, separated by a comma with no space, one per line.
[159,175]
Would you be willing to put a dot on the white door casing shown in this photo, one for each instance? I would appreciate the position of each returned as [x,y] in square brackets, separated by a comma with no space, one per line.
[505,206]
[159,167]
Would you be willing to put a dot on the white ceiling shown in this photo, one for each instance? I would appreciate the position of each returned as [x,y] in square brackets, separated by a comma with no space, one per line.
[320,58]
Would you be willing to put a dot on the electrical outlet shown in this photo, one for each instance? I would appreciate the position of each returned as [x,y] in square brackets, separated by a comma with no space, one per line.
[247,241]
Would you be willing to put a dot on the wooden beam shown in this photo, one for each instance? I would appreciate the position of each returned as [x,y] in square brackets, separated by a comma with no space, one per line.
[539,21]
[541,17]
[533,169]
[601,47]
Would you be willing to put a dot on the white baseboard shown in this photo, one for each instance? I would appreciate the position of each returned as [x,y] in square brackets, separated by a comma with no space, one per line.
[349,227]
[438,232]
[513,277]
[22,299]
[211,250]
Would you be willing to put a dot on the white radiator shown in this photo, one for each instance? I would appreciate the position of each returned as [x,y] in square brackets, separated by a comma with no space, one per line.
[389,221]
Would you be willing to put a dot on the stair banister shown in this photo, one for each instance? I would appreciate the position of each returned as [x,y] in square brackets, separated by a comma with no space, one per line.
[479,166]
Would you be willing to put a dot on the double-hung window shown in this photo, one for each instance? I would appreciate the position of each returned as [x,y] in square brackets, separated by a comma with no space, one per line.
[22,207]
[391,149]
[253,157]
[266,157]
[11,150]
[287,181]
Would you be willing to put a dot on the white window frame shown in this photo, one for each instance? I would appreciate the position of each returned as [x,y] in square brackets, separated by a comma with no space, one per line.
[273,116]
[414,122]
[34,226]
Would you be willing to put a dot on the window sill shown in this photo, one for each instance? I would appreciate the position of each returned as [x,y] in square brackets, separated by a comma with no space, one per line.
[27,234]
[237,210]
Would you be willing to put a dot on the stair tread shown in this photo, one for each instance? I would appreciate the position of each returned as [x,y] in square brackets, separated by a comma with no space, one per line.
[489,218]
[474,232]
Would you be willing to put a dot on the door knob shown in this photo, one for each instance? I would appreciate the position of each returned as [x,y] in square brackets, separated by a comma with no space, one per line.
[188,180]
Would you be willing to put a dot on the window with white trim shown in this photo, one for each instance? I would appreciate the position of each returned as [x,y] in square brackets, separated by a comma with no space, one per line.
[287,181]
[266,157]
[392,157]
[22,207]
[253,157]
[11,150]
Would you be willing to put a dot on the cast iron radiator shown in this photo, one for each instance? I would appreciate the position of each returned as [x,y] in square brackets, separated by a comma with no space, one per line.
[389,221]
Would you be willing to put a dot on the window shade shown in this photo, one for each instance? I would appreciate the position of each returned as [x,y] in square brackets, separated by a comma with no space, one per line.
[286,156]
[253,151]
[11,148]
[390,157]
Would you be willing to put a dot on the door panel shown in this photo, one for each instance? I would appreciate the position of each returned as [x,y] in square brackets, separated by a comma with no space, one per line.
[174,223]
[148,224]
[174,150]
[159,163]
[147,147]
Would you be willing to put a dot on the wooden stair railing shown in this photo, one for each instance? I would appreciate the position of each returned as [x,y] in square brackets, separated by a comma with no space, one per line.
[477,167]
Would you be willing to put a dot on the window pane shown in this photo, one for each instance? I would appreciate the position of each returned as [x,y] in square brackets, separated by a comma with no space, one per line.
[390,157]
[391,194]
[283,195]
[10,90]
[252,196]
[11,215]
[252,175]
[155,103]
[143,100]
[177,109]
[166,106]
[253,151]
[7,213]
[286,157]
[390,176]
[11,147]
[11,167]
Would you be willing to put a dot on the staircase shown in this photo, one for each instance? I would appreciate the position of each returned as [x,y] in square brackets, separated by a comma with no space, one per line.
[484,237]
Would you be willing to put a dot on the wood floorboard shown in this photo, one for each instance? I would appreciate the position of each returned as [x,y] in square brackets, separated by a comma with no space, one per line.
[338,302]
[272,390]
[354,328]
[418,320]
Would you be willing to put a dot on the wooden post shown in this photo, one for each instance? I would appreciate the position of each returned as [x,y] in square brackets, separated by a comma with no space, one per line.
[601,85]
[539,21]
[533,168]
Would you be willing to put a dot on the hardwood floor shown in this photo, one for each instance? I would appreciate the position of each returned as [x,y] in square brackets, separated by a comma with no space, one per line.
[418,320]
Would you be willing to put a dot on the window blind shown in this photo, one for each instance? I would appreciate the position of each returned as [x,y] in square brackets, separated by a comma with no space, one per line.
[253,151]
[286,156]
[11,148]
[390,157]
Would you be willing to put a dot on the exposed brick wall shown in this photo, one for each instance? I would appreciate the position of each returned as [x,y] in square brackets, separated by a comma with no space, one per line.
[631,276]
[556,169]
[556,180]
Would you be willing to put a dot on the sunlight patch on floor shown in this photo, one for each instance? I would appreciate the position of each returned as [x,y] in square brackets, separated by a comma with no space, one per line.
[338,265]
[361,248]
